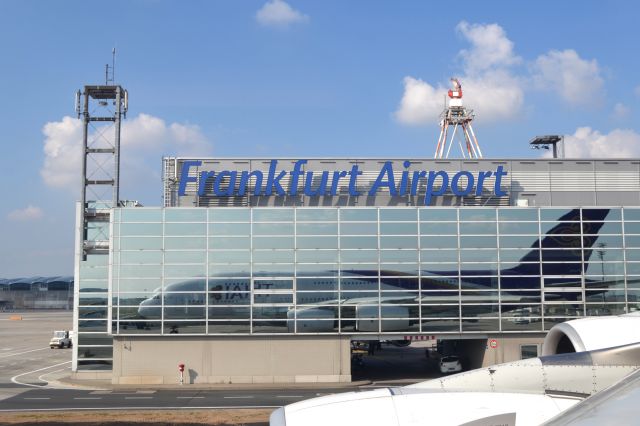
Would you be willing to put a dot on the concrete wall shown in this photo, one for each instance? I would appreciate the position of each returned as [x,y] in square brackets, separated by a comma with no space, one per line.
[508,348]
[154,360]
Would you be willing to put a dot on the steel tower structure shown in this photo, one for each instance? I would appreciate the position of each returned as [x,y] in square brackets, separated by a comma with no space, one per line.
[455,116]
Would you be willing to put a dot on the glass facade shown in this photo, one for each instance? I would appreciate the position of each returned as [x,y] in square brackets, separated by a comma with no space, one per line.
[378,270]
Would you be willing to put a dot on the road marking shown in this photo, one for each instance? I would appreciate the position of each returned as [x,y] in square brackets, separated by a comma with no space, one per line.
[14,379]
[36,398]
[238,397]
[289,396]
[190,397]
[88,397]
[150,407]
[40,377]
[25,352]
[138,397]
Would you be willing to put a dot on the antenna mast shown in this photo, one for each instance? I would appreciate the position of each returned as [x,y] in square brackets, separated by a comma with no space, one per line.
[455,116]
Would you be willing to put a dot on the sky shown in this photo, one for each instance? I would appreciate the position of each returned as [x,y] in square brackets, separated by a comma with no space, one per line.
[300,78]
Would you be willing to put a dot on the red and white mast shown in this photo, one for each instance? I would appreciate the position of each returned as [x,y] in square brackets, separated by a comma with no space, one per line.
[455,116]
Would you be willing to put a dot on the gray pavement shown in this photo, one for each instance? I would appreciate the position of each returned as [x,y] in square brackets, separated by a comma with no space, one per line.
[34,377]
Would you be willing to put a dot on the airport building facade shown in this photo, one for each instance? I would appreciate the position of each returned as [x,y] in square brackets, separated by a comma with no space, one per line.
[262,270]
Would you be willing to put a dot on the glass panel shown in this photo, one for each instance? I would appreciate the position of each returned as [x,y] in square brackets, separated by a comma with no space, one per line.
[316,215]
[273,215]
[610,241]
[632,241]
[560,214]
[317,284]
[92,299]
[439,242]
[473,215]
[184,312]
[484,228]
[273,298]
[138,284]
[519,268]
[351,228]
[562,241]
[325,256]
[317,269]
[398,214]
[90,326]
[478,242]
[186,271]
[94,352]
[359,215]
[273,284]
[317,228]
[229,215]
[486,297]
[179,299]
[604,268]
[273,242]
[230,256]
[398,255]
[185,215]
[92,312]
[229,229]
[229,243]
[440,325]
[474,269]
[277,270]
[403,283]
[139,243]
[91,286]
[443,228]
[359,255]
[308,298]
[185,243]
[398,229]
[602,228]
[438,215]
[515,255]
[517,215]
[601,214]
[439,268]
[316,242]
[480,324]
[229,327]
[185,229]
[398,242]
[271,327]
[561,255]
[632,227]
[140,327]
[273,256]
[141,215]
[631,214]
[184,327]
[147,256]
[94,339]
[230,312]
[516,283]
[359,242]
[185,257]
[519,228]
[439,255]
[270,312]
[473,311]
[439,283]
[229,270]
[475,283]
[554,228]
[150,229]
[135,299]
[273,228]
[519,241]
[398,269]
[349,283]
[479,255]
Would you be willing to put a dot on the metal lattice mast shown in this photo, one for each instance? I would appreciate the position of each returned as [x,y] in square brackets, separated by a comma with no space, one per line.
[101,109]
[459,118]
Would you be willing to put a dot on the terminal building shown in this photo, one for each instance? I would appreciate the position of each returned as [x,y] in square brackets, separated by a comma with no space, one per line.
[264,270]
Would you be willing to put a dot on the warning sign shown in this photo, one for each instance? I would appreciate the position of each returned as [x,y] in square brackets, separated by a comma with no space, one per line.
[493,343]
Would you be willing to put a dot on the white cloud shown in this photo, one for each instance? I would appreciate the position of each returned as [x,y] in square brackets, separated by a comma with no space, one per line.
[278,13]
[490,47]
[28,213]
[145,139]
[576,80]
[421,102]
[620,111]
[489,85]
[637,90]
[589,143]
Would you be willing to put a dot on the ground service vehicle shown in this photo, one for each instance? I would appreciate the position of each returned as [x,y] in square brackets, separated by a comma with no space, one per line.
[61,339]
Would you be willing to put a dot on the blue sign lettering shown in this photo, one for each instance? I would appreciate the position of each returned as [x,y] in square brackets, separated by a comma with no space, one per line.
[228,183]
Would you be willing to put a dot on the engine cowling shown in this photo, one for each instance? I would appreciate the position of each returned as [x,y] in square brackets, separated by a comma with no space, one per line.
[588,334]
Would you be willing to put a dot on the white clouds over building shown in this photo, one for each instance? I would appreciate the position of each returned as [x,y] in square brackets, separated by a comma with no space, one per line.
[278,13]
[28,213]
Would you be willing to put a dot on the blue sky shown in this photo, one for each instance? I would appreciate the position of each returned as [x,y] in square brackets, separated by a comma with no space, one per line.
[300,79]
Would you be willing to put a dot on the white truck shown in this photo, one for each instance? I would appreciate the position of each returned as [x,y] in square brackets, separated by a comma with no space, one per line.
[61,339]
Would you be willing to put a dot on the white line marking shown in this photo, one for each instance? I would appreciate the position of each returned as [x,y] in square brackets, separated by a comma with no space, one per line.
[36,398]
[215,407]
[190,397]
[238,397]
[289,396]
[138,397]
[40,377]
[25,352]
[88,397]
[14,379]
